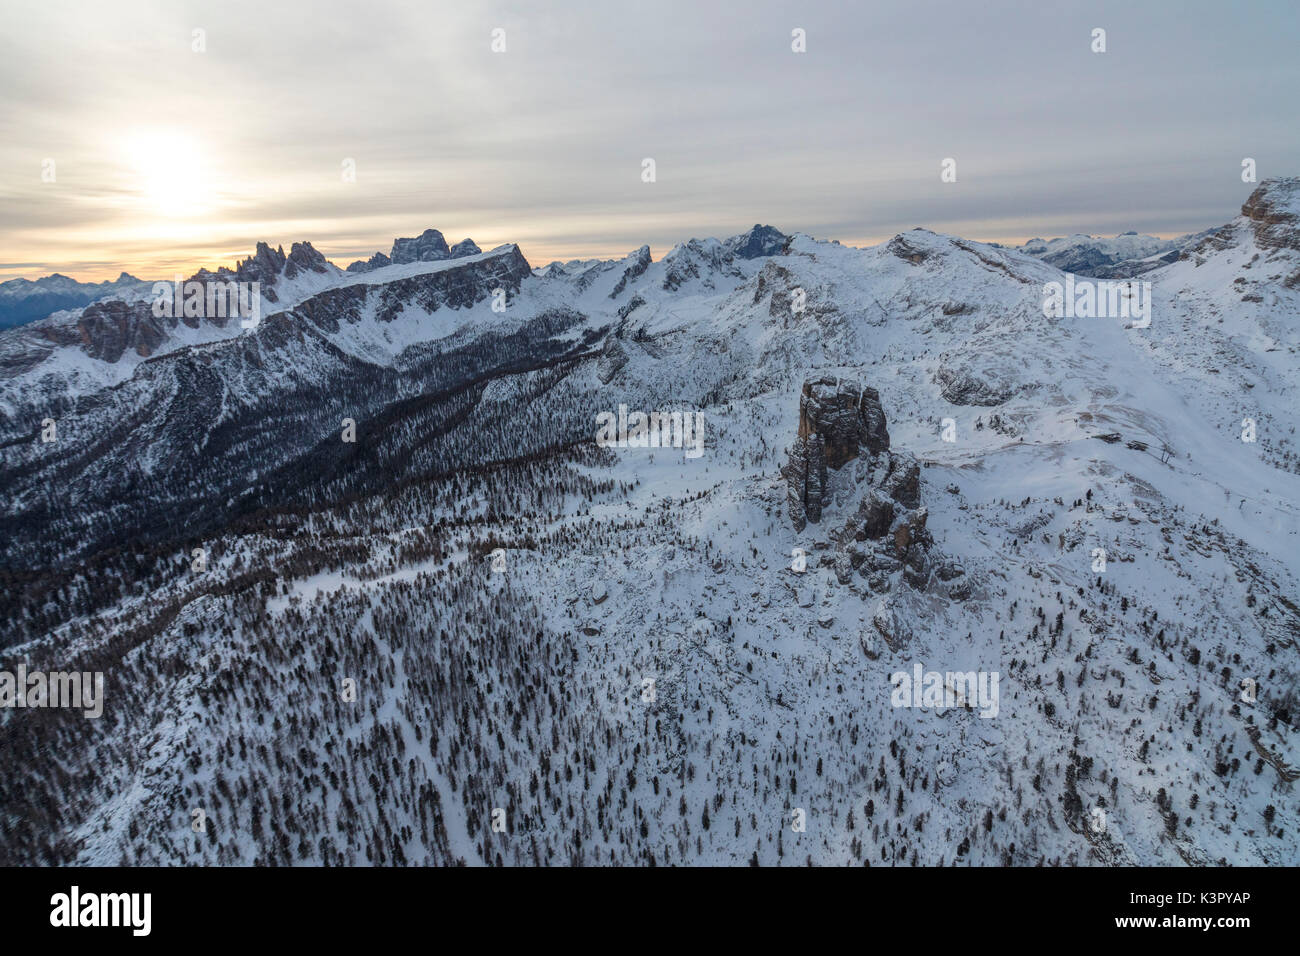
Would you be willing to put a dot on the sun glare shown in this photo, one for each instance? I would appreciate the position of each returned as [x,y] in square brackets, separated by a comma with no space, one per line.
[169,171]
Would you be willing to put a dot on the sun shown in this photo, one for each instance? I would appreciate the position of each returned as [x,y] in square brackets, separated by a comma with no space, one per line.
[169,171]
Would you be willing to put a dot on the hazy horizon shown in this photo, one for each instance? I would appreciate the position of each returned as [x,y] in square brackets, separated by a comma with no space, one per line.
[656,253]
[208,143]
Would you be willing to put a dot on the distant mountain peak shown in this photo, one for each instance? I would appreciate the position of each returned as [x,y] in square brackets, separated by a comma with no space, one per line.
[428,246]
[27,300]
[759,241]
[1099,256]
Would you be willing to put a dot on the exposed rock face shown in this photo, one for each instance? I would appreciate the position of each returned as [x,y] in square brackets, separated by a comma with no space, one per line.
[377,261]
[109,329]
[704,259]
[895,487]
[267,265]
[888,532]
[429,246]
[455,288]
[961,385]
[890,626]
[900,247]
[954,576]
[846,415]
[759,242]
[885,537]
[303,258]
[612,359]
[640,263]
[837,419]
[781,282]
[900,479]
[911,545]
[630,306]
[874,517]
[264,266]
[697,259]
[1274,211]
[805,477]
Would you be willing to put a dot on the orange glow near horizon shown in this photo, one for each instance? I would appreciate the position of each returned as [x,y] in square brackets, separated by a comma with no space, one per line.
[189,254]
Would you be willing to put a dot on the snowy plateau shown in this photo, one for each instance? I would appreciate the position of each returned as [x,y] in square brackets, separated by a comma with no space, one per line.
[475,635]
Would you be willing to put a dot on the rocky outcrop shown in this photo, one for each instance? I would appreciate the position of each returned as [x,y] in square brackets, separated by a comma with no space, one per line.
[847,415]
[887,532]
[612,359]
[899,477]
[630,306]
[805,478]
[704,259]
[780,283]
[874,517]
[108,330]
[458,287]
[889,626]
[759,242]
[640,263]
[1274,211]
[701,259]
[267,265]
[303,258]
[910,543]
[837,420]
[263,266]
[886,536]
[428,246]
[900,247]
[953,576]
[377,261]
[963,385]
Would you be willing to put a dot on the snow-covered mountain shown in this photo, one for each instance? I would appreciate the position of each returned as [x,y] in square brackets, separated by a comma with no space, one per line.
[429,246]
[25,300]
[476,633]
[1122,257]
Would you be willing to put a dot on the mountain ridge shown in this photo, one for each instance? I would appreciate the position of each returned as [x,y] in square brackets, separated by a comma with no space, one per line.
[905,463]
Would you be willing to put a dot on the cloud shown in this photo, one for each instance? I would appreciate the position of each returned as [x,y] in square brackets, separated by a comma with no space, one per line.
[543,144]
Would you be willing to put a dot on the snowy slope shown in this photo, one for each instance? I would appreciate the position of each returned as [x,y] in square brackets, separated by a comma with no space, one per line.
[501,589]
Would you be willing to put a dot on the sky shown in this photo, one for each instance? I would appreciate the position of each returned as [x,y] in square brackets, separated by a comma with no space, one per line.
[129,142]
